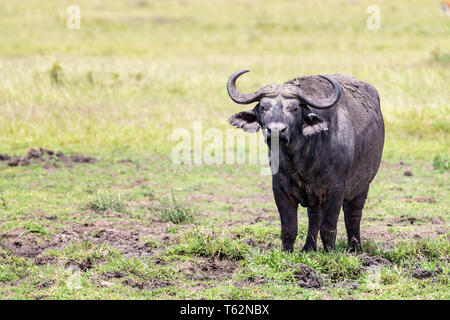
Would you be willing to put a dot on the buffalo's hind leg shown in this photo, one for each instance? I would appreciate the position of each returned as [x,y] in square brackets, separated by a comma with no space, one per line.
[352,216]
[329,219]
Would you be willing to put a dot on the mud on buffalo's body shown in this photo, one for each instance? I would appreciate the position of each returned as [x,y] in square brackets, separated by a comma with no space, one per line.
[331,137]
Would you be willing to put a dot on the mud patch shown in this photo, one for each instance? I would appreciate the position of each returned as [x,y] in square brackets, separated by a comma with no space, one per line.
[147,285]
[369,261]
[349,285]
[208,269]
[256,280]
[419,273]
[43,260]
[128,241]
[125,161]
[435,220]
[387,238]
[45,284]
[200,287]
[264,245]
[84,265]
[24,244]
[48,159]
[408,220]
[405,219]
[307,277]
[113,275]
[422,199]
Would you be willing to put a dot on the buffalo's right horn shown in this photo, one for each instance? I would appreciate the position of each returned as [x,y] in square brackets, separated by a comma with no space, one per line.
[238,97]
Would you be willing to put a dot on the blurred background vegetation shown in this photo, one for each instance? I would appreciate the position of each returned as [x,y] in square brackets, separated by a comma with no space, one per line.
[138,69]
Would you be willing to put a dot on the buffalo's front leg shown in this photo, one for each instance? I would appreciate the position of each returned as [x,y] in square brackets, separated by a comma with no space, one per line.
[330,212]
[287,207]
[352,215]
[314,219]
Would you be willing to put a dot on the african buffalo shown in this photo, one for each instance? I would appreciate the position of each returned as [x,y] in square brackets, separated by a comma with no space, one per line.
[331,137]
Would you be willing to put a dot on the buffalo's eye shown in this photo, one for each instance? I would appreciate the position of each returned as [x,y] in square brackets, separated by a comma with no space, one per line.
[265,106]
[293,108]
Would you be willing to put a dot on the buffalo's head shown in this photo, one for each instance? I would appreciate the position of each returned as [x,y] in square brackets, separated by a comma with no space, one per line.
[281,108]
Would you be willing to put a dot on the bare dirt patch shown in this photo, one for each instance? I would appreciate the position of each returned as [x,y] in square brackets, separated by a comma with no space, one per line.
[307,277]
[419,273]
[24,244]
[388,238]
[350,285]
[43,260]
[128,241]
[370,261]
[48,158]
[83,265]
[422,199]
[45,284]
[406,219]
[264,245]
[147,284]
[208,269]
[113,274]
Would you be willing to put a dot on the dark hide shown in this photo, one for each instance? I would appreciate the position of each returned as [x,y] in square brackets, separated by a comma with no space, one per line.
[329,157]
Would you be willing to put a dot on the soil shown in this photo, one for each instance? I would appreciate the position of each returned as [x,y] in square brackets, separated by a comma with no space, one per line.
[409,220]
[256,280]
[419,273]
[406,219]
[307,277]
[125,161]
[418,199]
[147,285]
[420,232]
[84,265]
[208,269]
[45,284]
[43,260]
[128,241]
[264,245]
[113,275]
[48,158]
[369,261]
[351,285]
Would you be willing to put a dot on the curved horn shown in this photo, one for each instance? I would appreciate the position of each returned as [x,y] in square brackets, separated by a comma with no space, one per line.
[324,103]
[238,97]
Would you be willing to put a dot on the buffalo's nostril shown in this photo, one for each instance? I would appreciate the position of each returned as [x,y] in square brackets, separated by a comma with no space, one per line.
[276,126]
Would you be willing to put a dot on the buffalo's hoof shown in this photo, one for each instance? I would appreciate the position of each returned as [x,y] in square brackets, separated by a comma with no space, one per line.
[287,248]
[354,247]
[308,247]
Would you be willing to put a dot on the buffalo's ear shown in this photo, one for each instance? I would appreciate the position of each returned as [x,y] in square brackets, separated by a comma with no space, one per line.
[246,120]
[313,124]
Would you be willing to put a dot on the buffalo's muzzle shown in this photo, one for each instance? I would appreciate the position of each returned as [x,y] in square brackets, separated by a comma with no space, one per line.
[277,130]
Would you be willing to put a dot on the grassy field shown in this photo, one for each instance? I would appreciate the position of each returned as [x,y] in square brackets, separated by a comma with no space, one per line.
[134,225]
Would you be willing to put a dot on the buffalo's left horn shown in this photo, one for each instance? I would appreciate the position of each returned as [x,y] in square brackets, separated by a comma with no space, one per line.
[323,103]
[238,97]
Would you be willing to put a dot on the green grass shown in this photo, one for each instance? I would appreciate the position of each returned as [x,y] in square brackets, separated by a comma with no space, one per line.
[171,210]
[134,225]
[103,201]
[281,266]
[205,245]
[441,162]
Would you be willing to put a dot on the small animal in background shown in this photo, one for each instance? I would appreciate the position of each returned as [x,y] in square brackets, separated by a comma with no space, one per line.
[446,7]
